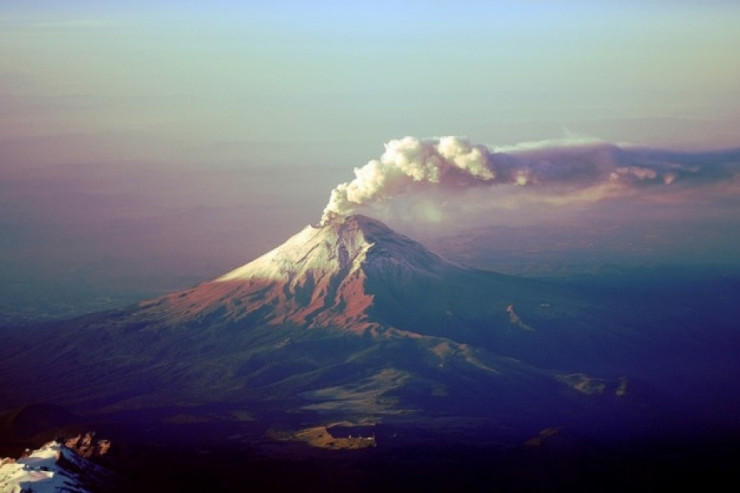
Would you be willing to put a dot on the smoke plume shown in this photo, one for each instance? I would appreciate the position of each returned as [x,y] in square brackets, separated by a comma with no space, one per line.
[559,168]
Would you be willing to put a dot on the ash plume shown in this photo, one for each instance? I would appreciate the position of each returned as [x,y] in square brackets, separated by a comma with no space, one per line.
[563,170]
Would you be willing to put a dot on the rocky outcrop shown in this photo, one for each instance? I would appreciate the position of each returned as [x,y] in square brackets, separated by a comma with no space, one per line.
[85,445]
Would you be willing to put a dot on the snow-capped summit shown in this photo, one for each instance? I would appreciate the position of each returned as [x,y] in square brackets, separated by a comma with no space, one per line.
[324,275]
[340,245]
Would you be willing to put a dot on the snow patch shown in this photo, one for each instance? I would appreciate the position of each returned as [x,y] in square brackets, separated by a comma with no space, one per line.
[39,472]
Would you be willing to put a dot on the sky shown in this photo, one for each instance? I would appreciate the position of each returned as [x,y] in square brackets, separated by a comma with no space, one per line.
[145,146]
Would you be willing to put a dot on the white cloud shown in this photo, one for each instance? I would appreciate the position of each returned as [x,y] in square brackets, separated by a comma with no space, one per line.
[575,170]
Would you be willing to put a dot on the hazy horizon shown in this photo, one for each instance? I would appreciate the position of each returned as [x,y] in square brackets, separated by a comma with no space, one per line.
[152,146]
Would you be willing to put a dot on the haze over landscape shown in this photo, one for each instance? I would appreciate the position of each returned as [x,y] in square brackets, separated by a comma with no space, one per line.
[151,146]
[463,227]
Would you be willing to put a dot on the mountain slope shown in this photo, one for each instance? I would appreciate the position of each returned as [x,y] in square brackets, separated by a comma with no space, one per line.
[349,320]
[353,273]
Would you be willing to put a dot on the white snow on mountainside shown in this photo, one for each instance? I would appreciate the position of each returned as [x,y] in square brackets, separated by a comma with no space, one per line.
[46,470]
[317,277]
[340,245]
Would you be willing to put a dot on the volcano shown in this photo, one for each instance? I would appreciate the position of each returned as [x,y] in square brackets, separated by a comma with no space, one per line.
[348,319]
[356,275]
[350,335]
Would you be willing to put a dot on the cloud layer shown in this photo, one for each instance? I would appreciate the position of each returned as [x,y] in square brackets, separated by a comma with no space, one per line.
[563,171]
